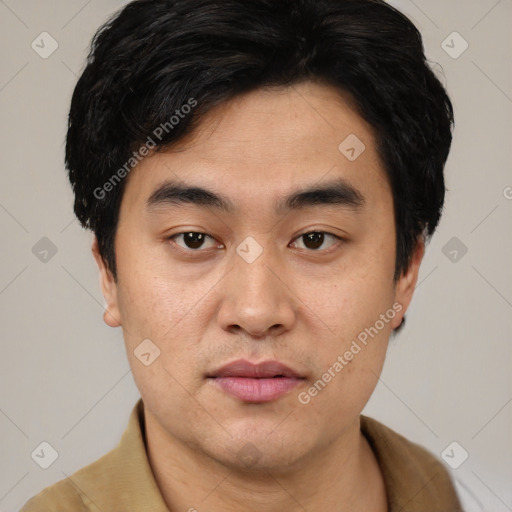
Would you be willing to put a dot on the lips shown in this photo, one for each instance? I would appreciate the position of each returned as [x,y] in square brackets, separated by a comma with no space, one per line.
[262,382]
[264,370]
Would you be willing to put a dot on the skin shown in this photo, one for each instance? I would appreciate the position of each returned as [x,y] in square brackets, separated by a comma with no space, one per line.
[299,305]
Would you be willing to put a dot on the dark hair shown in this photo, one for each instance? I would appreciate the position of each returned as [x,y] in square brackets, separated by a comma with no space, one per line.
[156,56]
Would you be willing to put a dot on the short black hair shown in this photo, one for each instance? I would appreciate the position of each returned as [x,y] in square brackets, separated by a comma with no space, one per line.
[163,64]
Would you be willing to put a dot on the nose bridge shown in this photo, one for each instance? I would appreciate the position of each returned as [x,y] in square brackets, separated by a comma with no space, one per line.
[256,280]
[256,300]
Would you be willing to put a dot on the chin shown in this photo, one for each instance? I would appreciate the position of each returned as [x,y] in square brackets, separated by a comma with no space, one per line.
[263,448]
[252,460]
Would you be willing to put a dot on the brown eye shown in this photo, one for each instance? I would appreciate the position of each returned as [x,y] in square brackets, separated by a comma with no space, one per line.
[314,240]
[193,240]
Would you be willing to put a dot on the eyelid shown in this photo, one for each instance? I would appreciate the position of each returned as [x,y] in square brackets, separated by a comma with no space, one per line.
[192,251]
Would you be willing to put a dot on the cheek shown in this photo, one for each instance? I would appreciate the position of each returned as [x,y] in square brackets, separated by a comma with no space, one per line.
[349,372]
[348,299]
[154,297]
[172,313]
[353,315]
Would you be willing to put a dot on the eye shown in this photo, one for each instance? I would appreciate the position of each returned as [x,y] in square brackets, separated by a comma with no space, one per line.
[193,240]
[314,240]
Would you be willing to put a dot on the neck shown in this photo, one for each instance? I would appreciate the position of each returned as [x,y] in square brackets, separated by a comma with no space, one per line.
[344,476]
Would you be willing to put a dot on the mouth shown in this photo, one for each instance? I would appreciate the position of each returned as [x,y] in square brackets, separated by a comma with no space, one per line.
[256,383]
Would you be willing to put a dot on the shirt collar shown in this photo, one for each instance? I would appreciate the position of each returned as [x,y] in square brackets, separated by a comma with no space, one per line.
[122,479]
[415,480]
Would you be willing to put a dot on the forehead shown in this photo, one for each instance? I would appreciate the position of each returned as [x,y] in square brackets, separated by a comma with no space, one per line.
[266,143]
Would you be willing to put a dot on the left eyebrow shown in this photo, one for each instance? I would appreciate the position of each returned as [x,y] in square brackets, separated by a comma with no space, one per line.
[336,192]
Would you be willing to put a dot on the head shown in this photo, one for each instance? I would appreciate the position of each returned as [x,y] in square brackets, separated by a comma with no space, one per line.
[261,178]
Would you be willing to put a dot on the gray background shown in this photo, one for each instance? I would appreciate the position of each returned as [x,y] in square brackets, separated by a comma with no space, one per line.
[64,375]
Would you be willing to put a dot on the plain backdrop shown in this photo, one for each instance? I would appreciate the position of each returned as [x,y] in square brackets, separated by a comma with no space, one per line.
[64,375]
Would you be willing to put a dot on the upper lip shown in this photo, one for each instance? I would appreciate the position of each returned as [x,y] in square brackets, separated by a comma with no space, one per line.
[265,369]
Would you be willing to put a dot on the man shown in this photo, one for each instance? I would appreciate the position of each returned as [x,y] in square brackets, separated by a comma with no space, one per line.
[261,178]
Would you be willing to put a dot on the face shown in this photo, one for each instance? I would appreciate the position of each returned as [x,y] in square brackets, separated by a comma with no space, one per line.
[287,258]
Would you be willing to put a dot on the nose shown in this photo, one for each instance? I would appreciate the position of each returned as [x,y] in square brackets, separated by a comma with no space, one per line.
[256,298]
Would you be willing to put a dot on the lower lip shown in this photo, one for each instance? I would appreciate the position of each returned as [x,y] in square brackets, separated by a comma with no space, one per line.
[257,390]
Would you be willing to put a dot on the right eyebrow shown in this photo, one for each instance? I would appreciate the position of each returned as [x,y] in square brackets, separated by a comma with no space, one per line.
[172,193]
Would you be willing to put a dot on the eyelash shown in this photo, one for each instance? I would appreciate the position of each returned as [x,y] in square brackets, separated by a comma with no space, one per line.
[190,252]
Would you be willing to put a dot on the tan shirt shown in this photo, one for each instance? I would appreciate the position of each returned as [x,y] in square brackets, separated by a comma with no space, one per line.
[122,480]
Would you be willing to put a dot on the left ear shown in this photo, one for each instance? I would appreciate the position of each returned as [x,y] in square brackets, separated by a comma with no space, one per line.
[111,315]
[406,283]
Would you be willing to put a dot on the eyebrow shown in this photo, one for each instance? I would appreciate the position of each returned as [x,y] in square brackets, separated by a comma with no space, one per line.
[336,192]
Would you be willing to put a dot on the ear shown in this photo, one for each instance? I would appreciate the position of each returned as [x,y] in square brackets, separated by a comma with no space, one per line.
[407,282]
[111,316]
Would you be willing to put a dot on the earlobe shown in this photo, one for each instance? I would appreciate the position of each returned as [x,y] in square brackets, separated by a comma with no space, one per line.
[407,283]
[111,315]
